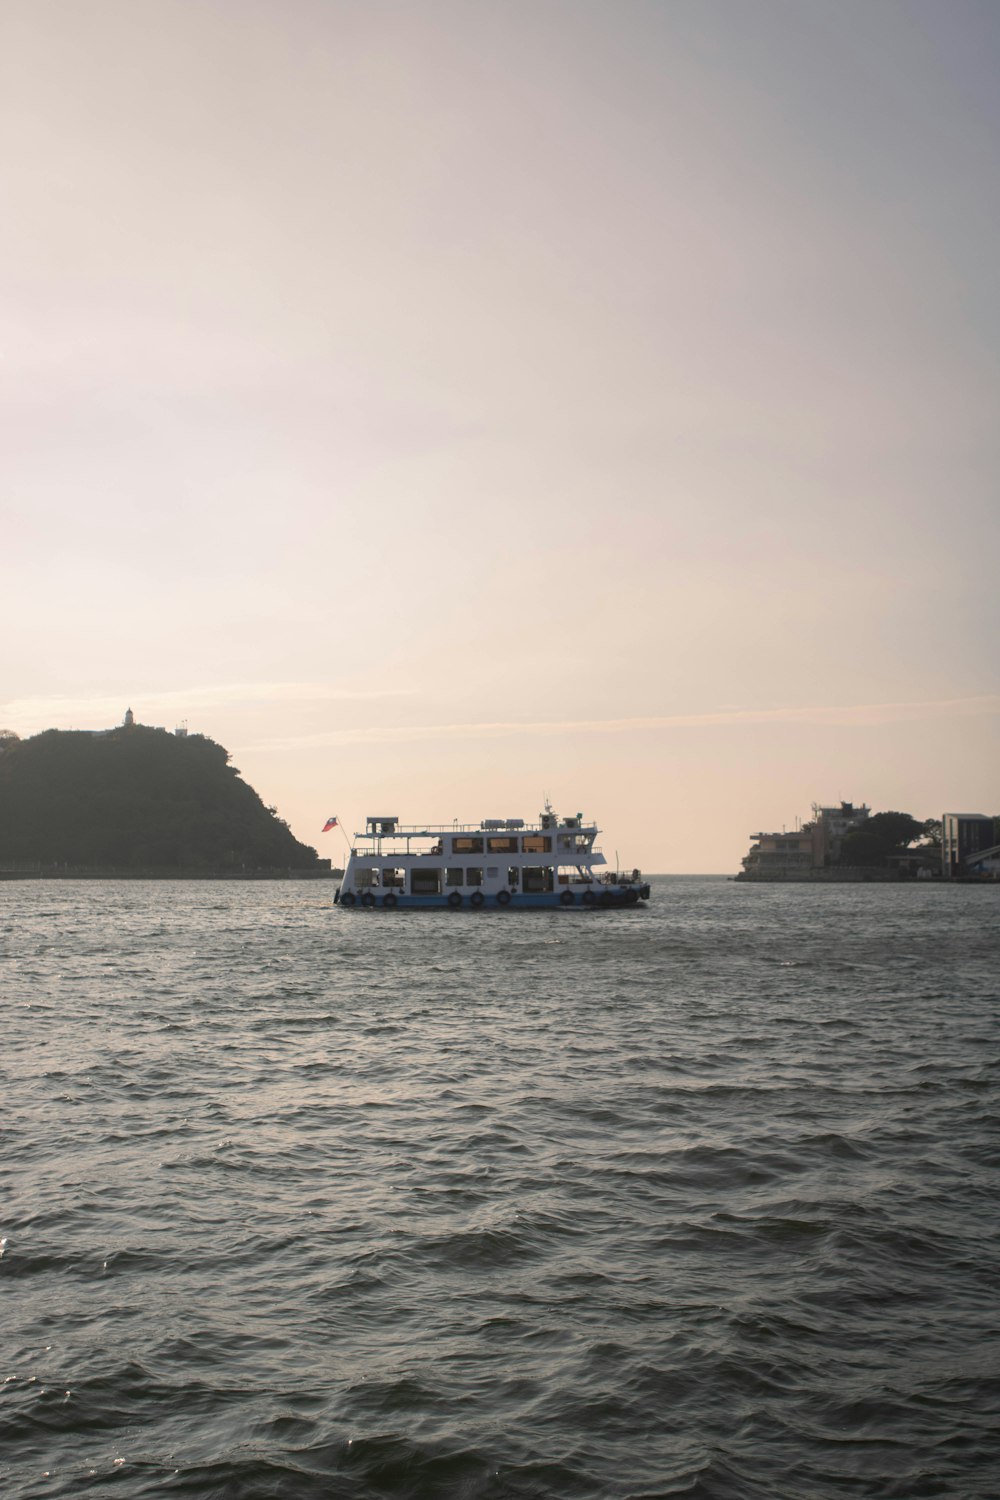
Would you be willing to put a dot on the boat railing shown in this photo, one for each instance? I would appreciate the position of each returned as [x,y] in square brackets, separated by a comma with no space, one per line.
[423,831]
[429,831]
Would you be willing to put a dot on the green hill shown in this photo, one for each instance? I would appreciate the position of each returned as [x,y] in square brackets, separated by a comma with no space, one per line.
[136,797]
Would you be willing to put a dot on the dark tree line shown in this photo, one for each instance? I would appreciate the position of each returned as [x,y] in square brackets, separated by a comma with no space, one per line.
[136,797]
[884,834]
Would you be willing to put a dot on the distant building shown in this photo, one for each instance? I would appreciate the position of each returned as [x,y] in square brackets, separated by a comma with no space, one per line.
[828,828]
[774,856]
[963,835]
[796,855]
[131,722]
[921,863]
[985,862]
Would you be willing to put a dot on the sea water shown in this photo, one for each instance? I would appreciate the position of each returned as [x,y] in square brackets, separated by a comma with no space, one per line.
[694,1200]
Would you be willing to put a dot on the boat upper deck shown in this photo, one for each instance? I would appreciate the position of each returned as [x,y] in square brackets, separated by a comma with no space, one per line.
[382,827]
[568,840]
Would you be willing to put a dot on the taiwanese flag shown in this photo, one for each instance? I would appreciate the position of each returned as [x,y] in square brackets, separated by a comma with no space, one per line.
[330,823]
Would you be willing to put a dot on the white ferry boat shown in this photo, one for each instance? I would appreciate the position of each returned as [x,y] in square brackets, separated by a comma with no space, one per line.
[501,862]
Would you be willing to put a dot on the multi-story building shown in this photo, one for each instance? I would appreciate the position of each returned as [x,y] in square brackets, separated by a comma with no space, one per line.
[828,828]
[813,846]
[963,835]
[775,856]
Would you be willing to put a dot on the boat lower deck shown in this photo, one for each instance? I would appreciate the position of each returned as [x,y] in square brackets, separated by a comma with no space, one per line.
[564,900]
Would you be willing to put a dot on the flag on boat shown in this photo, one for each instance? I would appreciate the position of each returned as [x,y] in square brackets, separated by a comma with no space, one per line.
[330,823]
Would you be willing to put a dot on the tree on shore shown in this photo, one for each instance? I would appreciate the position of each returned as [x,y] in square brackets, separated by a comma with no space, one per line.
[880,836]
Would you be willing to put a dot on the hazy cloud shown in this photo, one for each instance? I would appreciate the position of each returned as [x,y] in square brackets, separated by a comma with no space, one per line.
[852,715]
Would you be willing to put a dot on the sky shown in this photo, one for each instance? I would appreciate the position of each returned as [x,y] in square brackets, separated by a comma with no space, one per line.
[449,405]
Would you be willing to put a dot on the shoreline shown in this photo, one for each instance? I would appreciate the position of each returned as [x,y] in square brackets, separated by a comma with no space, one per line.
[873,878]
[97,872]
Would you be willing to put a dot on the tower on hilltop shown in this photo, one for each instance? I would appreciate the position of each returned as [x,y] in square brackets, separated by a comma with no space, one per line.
[129,719]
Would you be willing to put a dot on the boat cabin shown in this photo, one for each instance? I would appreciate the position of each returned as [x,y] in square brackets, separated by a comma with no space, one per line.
[430,861]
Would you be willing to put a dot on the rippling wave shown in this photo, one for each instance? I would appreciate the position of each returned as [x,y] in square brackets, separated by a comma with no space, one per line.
[698,1200]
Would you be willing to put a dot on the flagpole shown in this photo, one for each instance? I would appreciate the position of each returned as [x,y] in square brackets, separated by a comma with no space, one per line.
[340,829]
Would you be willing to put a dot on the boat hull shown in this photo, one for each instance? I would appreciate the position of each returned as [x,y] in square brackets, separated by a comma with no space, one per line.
[598,900]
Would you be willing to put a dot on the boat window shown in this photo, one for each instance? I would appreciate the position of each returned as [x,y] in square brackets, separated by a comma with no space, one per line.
[365,878]
[454,877]
[492,871]
[514,875]
[393,878]
[536,843]
[502,846]
[578,843]
[473,877]
[466,845]
[425,881]
[538,878]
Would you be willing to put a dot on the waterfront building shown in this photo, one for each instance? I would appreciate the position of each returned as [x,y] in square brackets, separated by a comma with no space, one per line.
[962,836]
[986,863]
[807,849]
[776,856]
[829,825]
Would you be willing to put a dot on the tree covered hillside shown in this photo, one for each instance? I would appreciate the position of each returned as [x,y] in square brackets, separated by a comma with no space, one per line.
[135,796]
